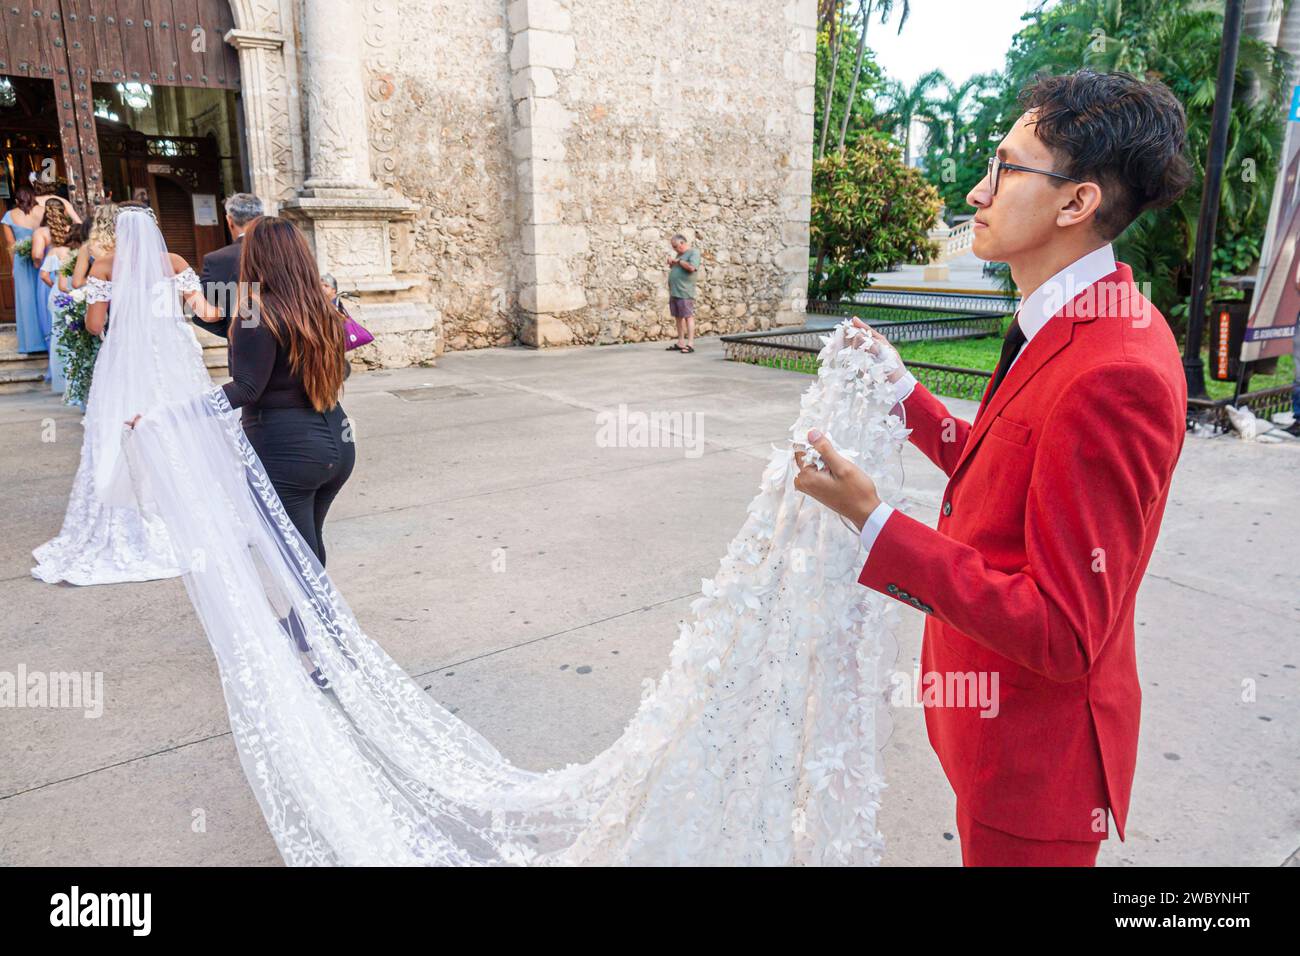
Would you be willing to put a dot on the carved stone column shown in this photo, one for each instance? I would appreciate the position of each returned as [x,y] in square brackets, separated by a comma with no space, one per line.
[261,77]
[339,142]
[346,213]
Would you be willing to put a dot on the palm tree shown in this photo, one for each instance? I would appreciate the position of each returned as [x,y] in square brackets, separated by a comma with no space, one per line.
[829,15]
[904,105]
[956,108]
[885,8]
[864,11]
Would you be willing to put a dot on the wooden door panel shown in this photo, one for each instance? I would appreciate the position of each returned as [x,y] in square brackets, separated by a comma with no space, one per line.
[83,151]
[189,62]
[162,43]
[220,59]
[36,45]
[5,17]
[24,40]
[77,43]
[47,22]
[135,41]
[109,60]
[143,41]
[176,218]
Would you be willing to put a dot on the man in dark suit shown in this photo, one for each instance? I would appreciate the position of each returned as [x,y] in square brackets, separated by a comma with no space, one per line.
[220,276]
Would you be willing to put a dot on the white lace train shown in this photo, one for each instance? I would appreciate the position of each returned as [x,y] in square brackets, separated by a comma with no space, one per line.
[758,745]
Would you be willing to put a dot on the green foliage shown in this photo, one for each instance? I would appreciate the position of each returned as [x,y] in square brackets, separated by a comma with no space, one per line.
[78,350]
[1235,254]
[968,121]
[905,104]
[78,347]
[863,120]
[869,213]
[1177,42]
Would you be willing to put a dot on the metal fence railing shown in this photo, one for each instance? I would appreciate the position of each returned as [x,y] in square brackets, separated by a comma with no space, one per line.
[932,330]
[998,303]
[783,348]
[1264,404]
[951,381]
[797,349]
[915,322]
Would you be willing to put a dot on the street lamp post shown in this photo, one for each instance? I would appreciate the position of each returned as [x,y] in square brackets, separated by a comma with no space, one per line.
[1204,258]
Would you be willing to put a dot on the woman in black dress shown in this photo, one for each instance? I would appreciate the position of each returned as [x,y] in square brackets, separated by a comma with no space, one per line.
[287,363]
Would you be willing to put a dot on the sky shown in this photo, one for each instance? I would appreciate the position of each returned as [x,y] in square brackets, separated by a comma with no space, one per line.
[960,37]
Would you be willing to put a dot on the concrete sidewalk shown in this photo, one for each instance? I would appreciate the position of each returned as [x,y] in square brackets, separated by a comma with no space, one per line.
[533,579]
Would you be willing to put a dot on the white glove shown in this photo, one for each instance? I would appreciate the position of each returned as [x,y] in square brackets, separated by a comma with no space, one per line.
[881,348]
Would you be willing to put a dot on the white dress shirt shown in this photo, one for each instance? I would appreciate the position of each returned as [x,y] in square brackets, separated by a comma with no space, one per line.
[1034,312]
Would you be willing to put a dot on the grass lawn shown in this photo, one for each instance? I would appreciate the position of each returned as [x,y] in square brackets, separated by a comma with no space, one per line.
[804,363]
[983,354]
[964,353]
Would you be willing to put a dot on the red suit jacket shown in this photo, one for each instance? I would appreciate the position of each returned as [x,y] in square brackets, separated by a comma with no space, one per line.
[1053,503]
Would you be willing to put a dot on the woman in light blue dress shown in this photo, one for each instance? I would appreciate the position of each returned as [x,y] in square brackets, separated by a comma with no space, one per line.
[53,243]
[19,224]
[50,277]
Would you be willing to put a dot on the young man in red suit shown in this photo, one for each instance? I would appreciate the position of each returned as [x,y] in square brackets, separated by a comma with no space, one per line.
[1055,491]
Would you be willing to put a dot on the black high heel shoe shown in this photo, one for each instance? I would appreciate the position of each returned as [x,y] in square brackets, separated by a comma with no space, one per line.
[321,680]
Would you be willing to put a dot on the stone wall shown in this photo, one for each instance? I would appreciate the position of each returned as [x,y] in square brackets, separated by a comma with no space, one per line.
[529,159]
[635,121]
[439,135]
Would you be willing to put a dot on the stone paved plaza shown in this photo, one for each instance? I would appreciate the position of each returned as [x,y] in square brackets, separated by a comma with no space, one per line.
[532,579]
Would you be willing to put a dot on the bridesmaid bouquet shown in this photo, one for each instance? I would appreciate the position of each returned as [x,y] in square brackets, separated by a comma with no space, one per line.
[23,248]
[77,346]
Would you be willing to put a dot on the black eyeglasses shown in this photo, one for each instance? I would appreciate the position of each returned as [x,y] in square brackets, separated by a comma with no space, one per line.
[996,165]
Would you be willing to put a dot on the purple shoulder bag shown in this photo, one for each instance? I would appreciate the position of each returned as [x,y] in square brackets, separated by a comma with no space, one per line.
[357,334]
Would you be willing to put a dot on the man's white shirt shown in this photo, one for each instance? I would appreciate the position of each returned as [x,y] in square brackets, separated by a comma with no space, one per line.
[1034,313]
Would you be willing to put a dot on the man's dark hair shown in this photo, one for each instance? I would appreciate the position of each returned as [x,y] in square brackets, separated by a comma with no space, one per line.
[1125,134]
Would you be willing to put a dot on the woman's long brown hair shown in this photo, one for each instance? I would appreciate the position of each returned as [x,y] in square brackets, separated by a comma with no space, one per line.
[280,282]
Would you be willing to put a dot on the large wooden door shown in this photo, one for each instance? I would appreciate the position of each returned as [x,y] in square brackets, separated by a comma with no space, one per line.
[34,45]
[77,43]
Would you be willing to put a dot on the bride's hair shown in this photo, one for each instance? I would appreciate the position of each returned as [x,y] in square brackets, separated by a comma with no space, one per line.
[137,206]
[103,230]
[280,282]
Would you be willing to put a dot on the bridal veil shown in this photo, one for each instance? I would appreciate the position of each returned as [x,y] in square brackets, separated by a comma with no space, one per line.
[759,744]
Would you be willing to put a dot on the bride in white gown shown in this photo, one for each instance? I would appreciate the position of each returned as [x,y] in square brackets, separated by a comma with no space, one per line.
[146,360]
[757,745]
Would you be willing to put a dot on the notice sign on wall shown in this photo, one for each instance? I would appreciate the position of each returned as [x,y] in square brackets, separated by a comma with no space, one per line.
[205,209]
